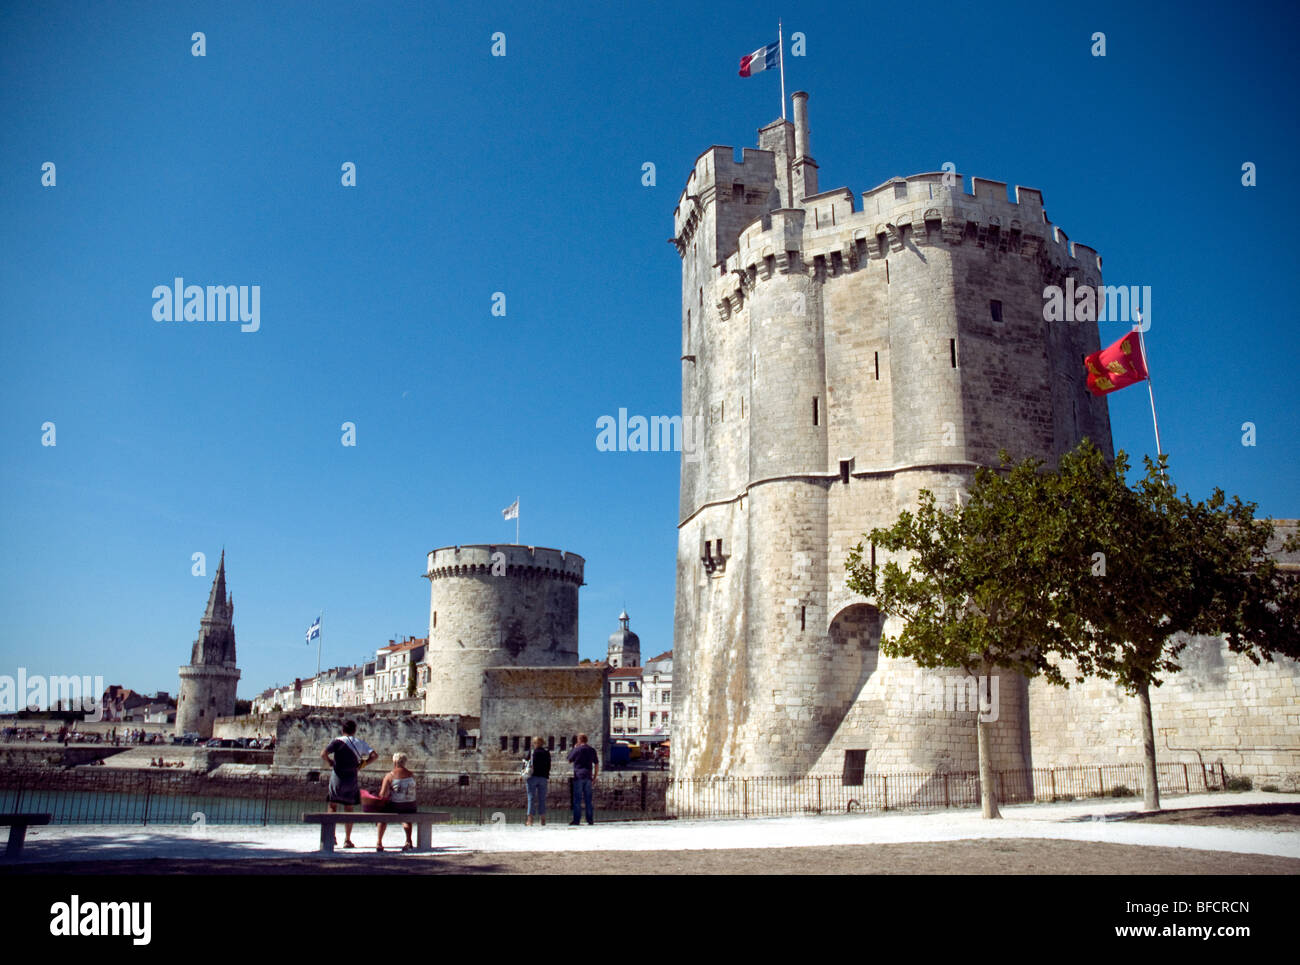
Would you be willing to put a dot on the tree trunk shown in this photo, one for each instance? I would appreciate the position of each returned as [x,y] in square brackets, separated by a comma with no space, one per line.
[988,790]
[1150,783]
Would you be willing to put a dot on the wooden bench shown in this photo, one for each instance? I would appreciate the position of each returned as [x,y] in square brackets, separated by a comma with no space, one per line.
[423,821]
[18,824]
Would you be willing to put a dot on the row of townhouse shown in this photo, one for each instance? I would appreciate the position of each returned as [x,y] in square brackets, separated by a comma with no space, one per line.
[640,701]
[378,681]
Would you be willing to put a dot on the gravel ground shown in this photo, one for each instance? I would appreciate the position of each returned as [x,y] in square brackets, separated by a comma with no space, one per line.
[1000,856]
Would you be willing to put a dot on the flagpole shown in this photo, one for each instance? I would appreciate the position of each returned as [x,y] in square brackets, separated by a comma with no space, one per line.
[1150,391]
[516,520]
[320,638]
[780,43]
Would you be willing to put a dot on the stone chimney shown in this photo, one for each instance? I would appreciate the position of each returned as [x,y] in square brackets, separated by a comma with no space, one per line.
[805,168]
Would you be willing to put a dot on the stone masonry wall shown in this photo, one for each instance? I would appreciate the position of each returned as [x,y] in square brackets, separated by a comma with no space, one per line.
[432,743]
[556,703]
[1220,708]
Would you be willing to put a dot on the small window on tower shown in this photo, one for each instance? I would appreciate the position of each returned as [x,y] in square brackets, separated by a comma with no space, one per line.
[995,309]
[816,414]
[844,470]
[900,190]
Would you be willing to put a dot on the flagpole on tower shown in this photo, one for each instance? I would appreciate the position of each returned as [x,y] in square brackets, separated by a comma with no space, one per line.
[780,43]
[517,517]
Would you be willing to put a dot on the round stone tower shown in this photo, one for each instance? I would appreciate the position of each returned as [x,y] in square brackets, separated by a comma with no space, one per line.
[839,356]
[497,606]
[208,683]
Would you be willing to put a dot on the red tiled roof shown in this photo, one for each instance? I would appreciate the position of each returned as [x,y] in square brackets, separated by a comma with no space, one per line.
[625,672]
[663,656]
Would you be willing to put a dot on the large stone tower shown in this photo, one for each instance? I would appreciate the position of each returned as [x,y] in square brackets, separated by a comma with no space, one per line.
[841,357]
[208,683]
[497,606]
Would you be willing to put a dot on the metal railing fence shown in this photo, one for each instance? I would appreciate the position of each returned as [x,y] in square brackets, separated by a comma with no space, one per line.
[87,795]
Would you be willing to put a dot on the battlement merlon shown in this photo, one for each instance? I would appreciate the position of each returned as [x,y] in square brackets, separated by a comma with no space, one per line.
[921,209]
[480,558]
[936,197]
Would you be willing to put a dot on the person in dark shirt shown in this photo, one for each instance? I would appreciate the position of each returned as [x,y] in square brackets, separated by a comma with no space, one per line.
[539,781]
[351,754]
[586,764]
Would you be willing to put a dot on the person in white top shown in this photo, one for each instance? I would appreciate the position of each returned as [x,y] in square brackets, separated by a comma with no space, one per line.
[398,794]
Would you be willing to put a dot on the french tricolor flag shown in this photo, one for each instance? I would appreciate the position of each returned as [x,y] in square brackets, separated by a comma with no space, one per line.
[764,58]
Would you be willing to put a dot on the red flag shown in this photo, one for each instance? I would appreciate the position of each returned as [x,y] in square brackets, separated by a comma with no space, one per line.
[1116,367]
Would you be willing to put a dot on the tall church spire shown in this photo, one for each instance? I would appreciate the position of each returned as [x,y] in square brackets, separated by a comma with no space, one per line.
[216,641]
[217,601]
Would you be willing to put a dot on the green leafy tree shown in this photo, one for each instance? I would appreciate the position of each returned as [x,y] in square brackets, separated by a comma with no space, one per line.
[1173,568]
[980,587]
[1044,567]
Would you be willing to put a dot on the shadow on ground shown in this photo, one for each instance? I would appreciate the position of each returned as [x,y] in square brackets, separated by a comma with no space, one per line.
[134,852]
[1277,817]
[993,856]
[296,864]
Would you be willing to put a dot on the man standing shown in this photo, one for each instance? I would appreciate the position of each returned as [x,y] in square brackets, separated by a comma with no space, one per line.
[586,764]
[351,754]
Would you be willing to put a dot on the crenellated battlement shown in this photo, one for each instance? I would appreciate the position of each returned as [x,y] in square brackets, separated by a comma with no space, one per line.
[717,174]
[483,559]
[828,235]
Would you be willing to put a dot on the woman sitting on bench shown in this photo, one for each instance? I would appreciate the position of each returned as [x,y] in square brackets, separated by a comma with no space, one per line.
[398,794]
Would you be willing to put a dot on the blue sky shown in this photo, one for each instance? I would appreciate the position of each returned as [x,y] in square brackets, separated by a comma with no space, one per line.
[522,174]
